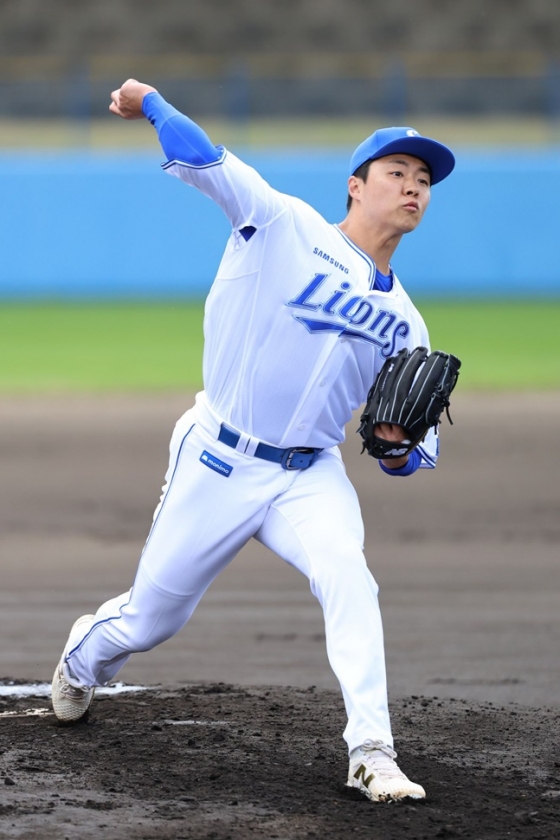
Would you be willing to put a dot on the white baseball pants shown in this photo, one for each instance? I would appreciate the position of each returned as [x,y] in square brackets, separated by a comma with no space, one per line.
[311,518]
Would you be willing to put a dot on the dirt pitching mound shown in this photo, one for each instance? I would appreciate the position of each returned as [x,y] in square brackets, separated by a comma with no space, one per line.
[221,761]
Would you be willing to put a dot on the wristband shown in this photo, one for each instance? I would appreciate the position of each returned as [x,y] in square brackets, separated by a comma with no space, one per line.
[410,467]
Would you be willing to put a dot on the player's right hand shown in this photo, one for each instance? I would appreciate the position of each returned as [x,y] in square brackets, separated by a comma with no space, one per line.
[127,100]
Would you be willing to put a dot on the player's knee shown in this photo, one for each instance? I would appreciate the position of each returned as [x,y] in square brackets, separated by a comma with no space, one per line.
[341,568]
[344,557]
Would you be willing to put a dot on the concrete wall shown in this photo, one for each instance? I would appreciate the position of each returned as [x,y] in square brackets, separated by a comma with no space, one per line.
[84,226]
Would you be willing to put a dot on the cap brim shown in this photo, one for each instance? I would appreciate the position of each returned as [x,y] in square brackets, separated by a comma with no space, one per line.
[438,157]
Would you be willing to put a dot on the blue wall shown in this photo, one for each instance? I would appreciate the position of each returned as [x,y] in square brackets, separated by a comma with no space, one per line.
[81,225]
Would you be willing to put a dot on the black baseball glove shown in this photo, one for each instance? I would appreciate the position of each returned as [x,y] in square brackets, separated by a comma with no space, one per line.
[412,390]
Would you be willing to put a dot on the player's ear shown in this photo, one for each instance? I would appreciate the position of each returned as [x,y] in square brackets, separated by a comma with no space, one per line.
[354,186]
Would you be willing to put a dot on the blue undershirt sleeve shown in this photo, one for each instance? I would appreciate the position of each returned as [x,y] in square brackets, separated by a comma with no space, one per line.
[410,467]
[181,138]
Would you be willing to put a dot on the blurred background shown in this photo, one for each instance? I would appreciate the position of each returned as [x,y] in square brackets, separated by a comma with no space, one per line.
[105,262]
[293,86]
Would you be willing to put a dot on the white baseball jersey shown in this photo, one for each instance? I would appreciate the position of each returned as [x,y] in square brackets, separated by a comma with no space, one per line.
[295,334]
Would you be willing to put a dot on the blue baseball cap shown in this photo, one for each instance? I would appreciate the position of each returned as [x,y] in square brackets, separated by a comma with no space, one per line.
[407,141]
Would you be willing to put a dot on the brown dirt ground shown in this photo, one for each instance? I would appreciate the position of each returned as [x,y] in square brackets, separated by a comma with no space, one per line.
[467,560]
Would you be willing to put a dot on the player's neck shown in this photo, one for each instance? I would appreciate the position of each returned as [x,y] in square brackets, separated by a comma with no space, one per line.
[380,245]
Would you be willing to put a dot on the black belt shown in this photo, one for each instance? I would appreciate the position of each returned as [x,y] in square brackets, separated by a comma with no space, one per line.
[296,458]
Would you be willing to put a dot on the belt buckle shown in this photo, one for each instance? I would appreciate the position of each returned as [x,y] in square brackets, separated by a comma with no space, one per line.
[301,463]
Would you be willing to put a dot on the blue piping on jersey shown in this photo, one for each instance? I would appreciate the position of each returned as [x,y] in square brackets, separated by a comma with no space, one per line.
[363,255]
[176,162]
[377,280]
[170,482]
[98,624]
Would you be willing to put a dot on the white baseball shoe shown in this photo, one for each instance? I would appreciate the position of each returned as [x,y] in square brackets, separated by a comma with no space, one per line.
[71,700]
[375,773]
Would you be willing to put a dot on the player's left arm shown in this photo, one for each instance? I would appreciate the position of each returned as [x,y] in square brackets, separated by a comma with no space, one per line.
[428,449]
[408,464]
[425,455]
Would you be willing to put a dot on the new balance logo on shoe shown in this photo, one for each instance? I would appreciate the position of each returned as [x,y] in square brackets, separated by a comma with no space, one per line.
[361,771]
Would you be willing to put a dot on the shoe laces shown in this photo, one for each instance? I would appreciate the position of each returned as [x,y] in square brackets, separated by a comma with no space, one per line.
[72,692]
[381,758]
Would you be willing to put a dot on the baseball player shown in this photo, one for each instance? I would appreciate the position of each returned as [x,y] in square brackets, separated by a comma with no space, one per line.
[299,321]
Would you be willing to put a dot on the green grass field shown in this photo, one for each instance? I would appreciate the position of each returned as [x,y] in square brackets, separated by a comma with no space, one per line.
[61,348]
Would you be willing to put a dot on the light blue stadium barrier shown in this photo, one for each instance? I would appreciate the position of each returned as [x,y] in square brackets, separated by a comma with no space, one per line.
[78,225]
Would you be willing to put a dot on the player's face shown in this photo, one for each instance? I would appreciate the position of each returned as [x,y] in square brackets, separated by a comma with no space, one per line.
[396,192]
